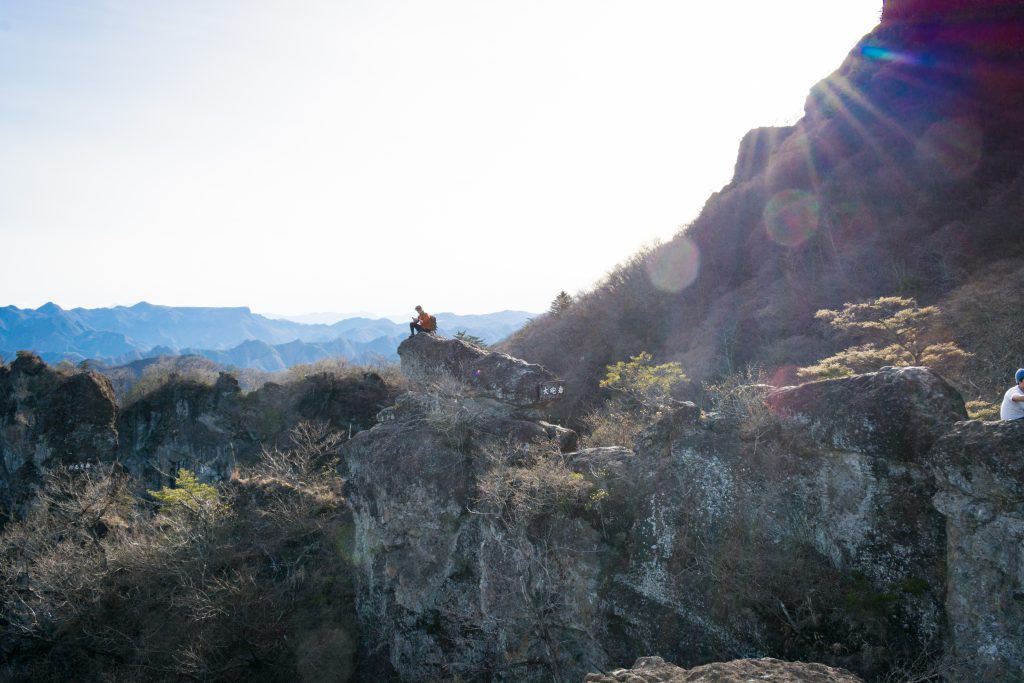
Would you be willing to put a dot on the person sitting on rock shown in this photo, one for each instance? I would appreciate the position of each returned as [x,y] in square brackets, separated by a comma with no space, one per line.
[1013,400]
[423,322]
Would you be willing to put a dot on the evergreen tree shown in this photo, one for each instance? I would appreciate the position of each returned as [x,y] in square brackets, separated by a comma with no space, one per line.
[560,304]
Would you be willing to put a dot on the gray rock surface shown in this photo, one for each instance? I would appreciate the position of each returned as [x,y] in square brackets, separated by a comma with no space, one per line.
[893,412]
[429,358]
[656,670]
[50,419]
[980,471]
[800,525]
[184,425]
[437,571]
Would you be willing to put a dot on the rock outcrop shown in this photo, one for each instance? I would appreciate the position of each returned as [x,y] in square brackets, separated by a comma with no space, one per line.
[656,670]
[184,425]
[209,429]
[50,419]
[859,522]
[980,472]
[795,523]
[799,525]
[427,595]
[427,357]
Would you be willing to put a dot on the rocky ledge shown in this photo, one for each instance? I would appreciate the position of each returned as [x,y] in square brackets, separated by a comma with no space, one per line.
[428,358]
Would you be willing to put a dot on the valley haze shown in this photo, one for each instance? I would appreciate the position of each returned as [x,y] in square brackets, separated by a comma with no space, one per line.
[230,336]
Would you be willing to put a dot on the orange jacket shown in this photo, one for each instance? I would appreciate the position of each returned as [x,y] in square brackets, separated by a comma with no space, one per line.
[424,318]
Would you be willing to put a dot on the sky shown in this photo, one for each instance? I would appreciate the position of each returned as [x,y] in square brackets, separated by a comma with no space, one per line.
[299,156]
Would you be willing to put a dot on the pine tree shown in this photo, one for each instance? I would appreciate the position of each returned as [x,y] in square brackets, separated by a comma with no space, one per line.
[560,304]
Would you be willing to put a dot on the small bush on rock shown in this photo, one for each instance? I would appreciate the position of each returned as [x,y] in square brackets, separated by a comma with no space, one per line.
[641,389]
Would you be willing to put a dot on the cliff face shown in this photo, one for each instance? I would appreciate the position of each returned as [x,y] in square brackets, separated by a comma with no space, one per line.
[48,420]
[980,477]
[859,523]
[184,426]
[797,523]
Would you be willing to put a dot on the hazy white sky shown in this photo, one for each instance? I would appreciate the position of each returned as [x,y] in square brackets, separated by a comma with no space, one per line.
[369,155]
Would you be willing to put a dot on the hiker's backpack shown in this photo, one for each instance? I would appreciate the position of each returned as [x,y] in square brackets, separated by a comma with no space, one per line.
[431,325]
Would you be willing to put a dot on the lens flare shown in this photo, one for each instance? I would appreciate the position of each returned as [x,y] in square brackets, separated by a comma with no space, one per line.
[950,149]
[791,217]
[674,267]
[884,54]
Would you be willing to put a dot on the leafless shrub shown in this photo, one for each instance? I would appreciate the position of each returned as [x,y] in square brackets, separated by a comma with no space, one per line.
[611,425]
[982,410]
[337,367]
[929,666]
[164,372]
[448,414]
[97,584]
[520,483]
[57,557]
[314,454]
[739,398]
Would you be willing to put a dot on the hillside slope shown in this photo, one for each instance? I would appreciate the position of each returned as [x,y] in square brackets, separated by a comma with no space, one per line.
[905,176]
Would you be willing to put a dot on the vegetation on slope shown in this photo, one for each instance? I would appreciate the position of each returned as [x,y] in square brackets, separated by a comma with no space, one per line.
[905,178]
[246,581]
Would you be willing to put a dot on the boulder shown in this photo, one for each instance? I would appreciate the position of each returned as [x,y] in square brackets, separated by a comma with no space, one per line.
[896,412]
[656,670]
[428,358]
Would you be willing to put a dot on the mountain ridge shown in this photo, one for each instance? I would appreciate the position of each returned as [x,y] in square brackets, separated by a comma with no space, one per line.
[230,335]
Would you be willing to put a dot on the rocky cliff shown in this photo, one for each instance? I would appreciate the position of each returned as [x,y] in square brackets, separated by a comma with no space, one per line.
[810,523]
[859,523]
[50,419]
[980,476]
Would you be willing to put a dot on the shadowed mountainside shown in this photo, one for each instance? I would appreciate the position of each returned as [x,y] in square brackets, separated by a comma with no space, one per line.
[905,176]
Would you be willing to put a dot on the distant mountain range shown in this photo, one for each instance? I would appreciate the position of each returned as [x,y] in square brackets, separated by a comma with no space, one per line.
[231,336]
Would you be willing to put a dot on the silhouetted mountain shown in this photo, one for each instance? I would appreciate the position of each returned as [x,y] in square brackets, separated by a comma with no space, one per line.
[233,336]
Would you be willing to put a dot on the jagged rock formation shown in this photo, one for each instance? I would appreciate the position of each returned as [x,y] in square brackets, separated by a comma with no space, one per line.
[413,485]
[857,522]
[184,425]
[656,670]
[49,419]
[800,526]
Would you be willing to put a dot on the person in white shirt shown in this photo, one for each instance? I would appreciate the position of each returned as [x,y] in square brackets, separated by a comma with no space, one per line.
[1013,400]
